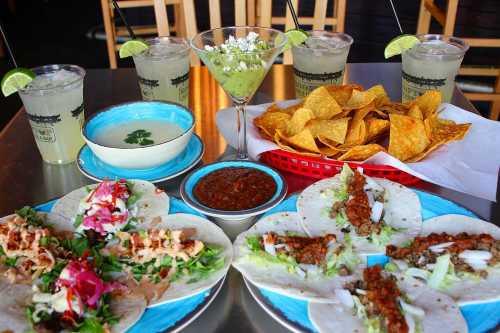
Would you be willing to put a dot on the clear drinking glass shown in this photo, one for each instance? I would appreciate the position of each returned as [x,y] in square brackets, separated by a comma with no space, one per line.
[240,73]
[54,105]
[432,64]
[320,60]
[163,70]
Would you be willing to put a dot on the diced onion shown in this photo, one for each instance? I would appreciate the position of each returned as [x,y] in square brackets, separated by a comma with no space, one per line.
[371,200]
[377,210]
[269,248]
[438,248]
[418,273]
[410,321]
[475,255]
[412,309]
[300,272]
[344,297]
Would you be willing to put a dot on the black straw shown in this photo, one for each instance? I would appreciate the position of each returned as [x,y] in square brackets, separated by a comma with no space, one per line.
[122,16]
[294,14]
[7,45]
[396,17]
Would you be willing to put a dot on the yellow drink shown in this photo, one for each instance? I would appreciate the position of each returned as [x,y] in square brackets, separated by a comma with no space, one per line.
[54,106]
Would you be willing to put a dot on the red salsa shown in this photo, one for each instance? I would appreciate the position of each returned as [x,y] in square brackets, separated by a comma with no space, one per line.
[235,189]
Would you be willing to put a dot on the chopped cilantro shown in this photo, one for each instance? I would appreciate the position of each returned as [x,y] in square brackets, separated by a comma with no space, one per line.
[78,221]
[75,245]
[10,262]
[47,279]
[30,215]
[44,241]
[140,136]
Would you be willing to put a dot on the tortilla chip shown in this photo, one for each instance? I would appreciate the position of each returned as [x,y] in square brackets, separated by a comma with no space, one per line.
[291,109]
[427,151]
[269,122]
[329,152]
[375,128]
[343,114]
[298,121]
[415,112]
[322,104]
[356,135]
[303,140]
[283,145]
[447,130]
[273,108]
[361,153]
[428,102]
[342,93]
[407,137]
[378,90]
[360,99]
[334,130]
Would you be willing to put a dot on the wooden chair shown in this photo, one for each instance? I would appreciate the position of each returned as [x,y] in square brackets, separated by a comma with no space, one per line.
[190,25]
[318,21]
[112,31]
[446,18]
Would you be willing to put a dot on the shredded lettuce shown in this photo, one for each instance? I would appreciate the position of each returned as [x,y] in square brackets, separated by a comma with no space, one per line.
[373,324]
[341,193]
[439,272]
[391,267]
[261,257]
[384,236]
[341,219]
[346,258]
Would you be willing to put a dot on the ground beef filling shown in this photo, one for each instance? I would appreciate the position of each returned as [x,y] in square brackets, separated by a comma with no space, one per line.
[305,250]
[419,255]
[358,210]
[381,298]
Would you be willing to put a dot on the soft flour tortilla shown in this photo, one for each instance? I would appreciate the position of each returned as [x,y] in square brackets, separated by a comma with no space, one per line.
[441,313]
[130,309]
[401,210]
[57,222]
[151,204]
[467,291]
[276,277]
[210,234]
[15,298]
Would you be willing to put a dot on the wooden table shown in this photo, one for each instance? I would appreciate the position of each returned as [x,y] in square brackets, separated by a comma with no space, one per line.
[26,180]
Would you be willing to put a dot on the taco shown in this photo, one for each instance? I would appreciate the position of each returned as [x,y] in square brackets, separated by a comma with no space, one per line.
[374,212]
[79,300]
[175,257]
[455,254]
[29,244]
[277,254]
[380,303]
[100,210]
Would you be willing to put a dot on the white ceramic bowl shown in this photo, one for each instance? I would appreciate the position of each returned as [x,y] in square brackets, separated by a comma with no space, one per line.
[139,157]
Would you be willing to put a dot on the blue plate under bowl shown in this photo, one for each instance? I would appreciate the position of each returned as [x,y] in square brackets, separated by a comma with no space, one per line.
[194,177]
[94,168]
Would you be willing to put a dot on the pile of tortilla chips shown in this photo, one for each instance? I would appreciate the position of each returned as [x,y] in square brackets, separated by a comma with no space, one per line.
[348,123]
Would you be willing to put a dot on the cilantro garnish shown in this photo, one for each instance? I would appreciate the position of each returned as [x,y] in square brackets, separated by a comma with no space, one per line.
[49,278]
[76,245]
[140,136]
[30,215]
[10,262]
[78,221]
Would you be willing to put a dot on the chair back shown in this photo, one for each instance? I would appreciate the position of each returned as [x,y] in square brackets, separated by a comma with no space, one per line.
[319,20]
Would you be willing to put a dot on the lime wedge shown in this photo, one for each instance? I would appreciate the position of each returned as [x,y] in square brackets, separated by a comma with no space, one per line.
[16,79]
[295,37]
[132,48]
[399,44]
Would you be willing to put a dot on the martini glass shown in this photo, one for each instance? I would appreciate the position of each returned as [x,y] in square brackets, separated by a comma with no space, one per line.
[239,59]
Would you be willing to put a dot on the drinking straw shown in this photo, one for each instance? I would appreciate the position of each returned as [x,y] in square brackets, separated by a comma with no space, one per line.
[396,17]
[7,45]
[294,14]
[122,16]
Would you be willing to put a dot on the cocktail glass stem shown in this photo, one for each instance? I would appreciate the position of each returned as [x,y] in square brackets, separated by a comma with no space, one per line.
[242,130]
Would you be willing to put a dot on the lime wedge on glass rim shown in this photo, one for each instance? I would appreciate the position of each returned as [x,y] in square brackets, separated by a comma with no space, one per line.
[295,37]
[399,44]
[16,79]
[132,48]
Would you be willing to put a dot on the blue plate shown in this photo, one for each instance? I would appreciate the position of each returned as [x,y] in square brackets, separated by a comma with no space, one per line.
[293,313]
[95,169]
[173,316]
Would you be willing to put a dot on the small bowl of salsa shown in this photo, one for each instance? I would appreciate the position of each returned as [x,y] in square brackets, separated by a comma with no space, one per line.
[233,191]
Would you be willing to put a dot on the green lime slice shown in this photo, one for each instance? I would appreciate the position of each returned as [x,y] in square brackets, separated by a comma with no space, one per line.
[295,37]
[16,79]
[399,44]
[132,48]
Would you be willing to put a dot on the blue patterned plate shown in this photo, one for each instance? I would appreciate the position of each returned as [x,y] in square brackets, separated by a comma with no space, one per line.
[174,316]
[293,313]
[95,169]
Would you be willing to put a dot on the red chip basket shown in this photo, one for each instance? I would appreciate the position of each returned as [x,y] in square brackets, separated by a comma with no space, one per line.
[318,168]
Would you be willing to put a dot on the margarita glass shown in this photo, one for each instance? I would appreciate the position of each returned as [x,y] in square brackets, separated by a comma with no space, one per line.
[432,64]
[320,60]
[239,59]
